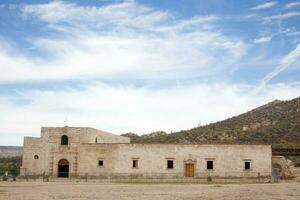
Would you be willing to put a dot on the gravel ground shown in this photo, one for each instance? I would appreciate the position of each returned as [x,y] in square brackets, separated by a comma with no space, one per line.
[114,191]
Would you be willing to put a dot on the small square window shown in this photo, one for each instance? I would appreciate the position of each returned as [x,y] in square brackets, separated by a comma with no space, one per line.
[100,163]
[170,164]
[209,164]
[247,165]
[134,163]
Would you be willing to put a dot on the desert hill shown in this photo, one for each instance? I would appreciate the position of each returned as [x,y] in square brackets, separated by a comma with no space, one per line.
[276,123]
[10,151]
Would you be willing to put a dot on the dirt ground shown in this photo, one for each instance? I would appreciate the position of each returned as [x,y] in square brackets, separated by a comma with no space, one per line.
[114,191]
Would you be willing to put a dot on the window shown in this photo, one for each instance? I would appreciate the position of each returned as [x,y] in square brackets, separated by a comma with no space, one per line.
[170,164]
[247,165]
[100,163]
[209,164]
[64,140]
[134,163]
[36,157]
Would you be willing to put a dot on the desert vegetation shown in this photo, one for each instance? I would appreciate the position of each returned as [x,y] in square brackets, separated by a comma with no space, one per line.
[10,167]
[276,123]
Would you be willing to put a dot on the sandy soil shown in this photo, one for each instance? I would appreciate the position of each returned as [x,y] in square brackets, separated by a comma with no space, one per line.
[84,191]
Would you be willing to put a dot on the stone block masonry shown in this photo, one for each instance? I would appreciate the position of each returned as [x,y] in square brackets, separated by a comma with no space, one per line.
[78,152]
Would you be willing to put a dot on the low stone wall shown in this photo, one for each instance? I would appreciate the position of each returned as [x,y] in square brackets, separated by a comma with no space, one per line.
[209,179]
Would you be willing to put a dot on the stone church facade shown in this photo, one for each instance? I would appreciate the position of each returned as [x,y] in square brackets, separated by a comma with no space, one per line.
[87,152]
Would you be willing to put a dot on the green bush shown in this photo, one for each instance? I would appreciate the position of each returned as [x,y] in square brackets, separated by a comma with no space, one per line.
[10,165]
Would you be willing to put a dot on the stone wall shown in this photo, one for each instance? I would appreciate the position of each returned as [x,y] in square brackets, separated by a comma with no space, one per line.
[97,136]
[282,167]
[83,153]
[33,159]
[49,150]
[152,160]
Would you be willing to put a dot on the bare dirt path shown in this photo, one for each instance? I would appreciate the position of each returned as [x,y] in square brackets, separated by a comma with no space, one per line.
[114,191]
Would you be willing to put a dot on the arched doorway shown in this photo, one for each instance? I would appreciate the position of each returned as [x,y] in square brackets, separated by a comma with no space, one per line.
[63,168]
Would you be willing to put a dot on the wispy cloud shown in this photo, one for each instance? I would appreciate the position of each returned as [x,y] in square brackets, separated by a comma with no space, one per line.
[287,61]
[282,16]
[261,40]
[292,5]
[123,14]
[266,5]
[119,41]
[121,55]
[293,33]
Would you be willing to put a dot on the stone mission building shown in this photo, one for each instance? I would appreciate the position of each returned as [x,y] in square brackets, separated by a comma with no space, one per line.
[88,152]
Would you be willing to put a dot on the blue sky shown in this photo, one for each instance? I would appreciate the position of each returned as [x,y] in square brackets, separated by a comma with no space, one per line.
[142,66]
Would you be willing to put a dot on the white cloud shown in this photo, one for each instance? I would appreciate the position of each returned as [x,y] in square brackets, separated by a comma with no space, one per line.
[285,62]
[282,16]
[292,5]
[293,33]
[266,5]
[120,109]
[265,39]
[127,13]
[121,41]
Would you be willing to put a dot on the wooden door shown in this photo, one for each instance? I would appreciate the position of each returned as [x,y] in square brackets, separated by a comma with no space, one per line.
[189,170]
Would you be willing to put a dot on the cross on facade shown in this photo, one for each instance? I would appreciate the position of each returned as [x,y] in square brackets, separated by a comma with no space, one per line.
[66,122]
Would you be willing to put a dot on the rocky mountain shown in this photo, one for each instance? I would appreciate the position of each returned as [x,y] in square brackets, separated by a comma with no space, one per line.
[276,123]
[10,151]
